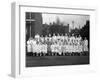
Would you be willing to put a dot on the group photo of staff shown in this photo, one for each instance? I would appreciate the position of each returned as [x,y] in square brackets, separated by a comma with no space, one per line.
[56,45]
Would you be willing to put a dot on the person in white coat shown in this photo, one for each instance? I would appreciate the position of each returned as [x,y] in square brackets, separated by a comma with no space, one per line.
[34,46]
[29,46]
[85,45]
[54,38]
[37,37]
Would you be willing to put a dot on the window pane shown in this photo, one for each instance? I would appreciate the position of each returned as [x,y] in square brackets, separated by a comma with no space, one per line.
[28,16]
[32,15]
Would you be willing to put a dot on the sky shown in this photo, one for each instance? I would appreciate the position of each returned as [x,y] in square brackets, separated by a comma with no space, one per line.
[79,20]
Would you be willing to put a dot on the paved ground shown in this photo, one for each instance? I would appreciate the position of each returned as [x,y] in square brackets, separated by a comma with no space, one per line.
[55,60]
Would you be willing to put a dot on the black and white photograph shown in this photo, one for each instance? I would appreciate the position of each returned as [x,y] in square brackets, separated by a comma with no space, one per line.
[55,39]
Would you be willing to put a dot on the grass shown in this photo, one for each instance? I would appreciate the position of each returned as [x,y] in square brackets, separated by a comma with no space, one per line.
[36,61]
